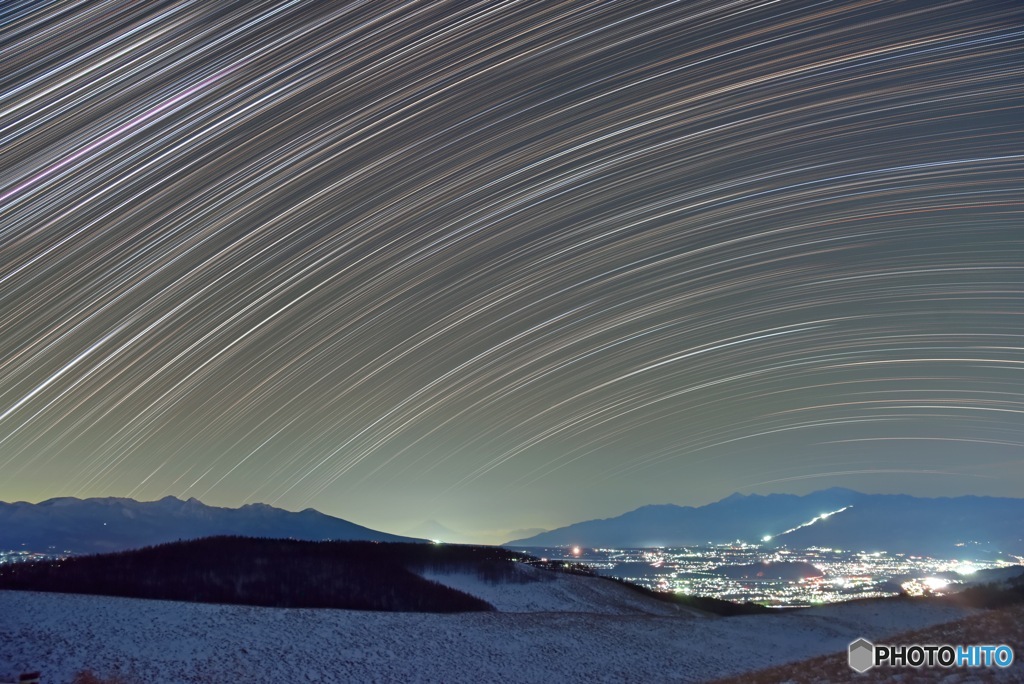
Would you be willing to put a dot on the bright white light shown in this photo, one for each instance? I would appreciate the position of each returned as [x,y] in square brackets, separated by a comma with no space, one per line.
[575,550]
[817,518]
[967,569]
[766,538]
[935,583]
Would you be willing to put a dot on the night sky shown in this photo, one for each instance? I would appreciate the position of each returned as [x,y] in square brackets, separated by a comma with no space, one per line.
[510,264]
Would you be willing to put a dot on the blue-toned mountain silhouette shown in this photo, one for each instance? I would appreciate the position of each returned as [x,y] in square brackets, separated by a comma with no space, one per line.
[115,524]
[836,518]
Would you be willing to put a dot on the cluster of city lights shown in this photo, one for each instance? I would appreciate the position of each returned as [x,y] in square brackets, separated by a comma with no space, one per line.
[844,574]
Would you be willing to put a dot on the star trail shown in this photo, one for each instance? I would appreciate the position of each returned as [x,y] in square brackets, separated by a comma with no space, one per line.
[510,263]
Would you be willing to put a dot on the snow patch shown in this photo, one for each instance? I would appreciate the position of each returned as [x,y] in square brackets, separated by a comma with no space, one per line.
[538,590]
[171,642]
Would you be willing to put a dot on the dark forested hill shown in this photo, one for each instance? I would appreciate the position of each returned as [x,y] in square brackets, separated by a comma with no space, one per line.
[272,572]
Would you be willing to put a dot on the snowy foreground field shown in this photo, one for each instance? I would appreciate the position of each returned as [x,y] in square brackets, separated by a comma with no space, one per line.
[563,628]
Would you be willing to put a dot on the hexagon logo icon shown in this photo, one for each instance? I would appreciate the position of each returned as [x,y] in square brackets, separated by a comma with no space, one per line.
[862,655]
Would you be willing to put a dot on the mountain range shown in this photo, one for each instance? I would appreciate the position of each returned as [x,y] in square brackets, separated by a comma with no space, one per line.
[968,526]
[113,524]
[835,518]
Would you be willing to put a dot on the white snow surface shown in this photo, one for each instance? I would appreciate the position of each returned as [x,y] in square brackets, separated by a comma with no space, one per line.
[541,591]
[551,638]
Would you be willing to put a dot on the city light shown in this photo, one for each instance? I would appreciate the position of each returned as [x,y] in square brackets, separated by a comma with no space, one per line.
[844,574]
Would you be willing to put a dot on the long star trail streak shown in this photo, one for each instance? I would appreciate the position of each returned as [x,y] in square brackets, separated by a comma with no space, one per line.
[509,263]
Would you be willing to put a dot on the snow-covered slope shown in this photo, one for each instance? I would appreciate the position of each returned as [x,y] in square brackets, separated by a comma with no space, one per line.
[1000,626]
[539,591]
[161,641]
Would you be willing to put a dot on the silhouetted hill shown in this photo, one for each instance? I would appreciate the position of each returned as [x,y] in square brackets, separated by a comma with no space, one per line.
[839,518]
[273,572]
[116,524]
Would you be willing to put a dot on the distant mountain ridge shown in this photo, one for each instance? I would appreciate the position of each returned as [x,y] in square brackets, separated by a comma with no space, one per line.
[837,518]
[115,524]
